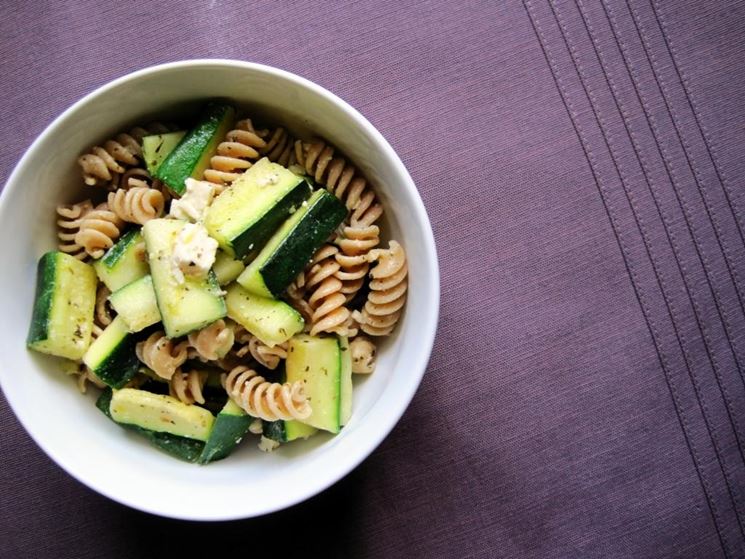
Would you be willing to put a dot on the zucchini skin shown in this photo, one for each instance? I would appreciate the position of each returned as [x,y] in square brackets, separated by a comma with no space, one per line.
[182,162]
[258,234]
[227,432]
[188,450]
[46,271]
[113,255]
[121,364]
[293,253]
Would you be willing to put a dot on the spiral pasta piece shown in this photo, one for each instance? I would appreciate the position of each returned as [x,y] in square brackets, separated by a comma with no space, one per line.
[68,225]
[248,344]
[98,230]
[279,148]
[362,350]
[355,243]
[162,355]
[187,386]
[138,205]
[270,401]
[212,342]
[326,298]
[387,295]
[340,178]
[102,165]
[102,316]
[234,155]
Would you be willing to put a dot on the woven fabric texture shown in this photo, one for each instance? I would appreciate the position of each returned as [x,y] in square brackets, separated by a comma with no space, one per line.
[581,163]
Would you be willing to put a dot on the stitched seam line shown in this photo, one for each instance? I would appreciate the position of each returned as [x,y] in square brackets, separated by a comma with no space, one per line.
[636,286]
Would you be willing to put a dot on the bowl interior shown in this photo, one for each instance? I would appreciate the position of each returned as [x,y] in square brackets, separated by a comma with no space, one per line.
[122,466]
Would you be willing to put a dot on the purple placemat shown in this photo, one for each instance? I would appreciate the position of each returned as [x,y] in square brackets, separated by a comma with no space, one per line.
[581,164]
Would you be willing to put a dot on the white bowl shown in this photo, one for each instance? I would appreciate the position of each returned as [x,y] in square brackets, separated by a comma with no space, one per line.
[120,465]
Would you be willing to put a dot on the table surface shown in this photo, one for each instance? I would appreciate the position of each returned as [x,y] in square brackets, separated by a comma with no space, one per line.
[582,167]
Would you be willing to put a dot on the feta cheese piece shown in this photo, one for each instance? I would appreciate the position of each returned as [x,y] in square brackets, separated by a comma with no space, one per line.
[193,253]
[195,201]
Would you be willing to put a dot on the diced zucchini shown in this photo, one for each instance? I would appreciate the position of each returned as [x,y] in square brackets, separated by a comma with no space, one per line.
[161,413]
[123,263]
[186,306]
[287,431]
[192,155]
[136,304]
[226,268]
[346,380]
[316,362]
[62,320]
[273,322]
[182,448]
[156,148]
[293,245]
[230,426]
[243,217]
[112,356]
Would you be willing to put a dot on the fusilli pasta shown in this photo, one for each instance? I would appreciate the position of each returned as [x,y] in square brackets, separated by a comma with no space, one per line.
[138,204]
[387,294]
[269,401]
[68,223]
[279,147]
[355,243]
[212,342]
[326,298]
[187,386]
[234,155]
[363,354]
[102,165]
[340,178]
[162,355]
[98,230]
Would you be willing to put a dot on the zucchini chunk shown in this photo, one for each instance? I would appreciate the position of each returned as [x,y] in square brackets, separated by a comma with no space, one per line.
[243,217]
[316,362]
[123,263]
[112,356]
[186,306]
[62,320]
[136,304]
[182,448]
[193,153]
[157,147]
[226,269]
[231,424]
[161,413]
[287,431]
[273,322]
[346,381]
[293,245]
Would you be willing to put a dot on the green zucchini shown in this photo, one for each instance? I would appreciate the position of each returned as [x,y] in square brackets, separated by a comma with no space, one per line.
[231,424]
[293,245]
[346,381]
[136,304]
[112,356]
[157,147]
[186,306]
[243,217]
[192,155]
[287,431]
[182,448]
[273,322]
[62,319]
[226,268]
[158,412]
[317,363]
[123,263]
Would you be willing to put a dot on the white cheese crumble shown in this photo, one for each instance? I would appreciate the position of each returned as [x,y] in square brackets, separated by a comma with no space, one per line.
[267,445]
[195,201]
[193,252]
[269,179]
